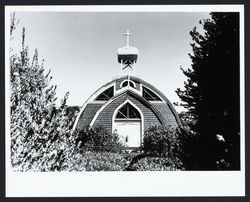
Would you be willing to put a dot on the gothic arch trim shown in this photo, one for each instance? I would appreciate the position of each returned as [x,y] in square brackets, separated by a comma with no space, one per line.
[137,108]
[155,111]
[135,94]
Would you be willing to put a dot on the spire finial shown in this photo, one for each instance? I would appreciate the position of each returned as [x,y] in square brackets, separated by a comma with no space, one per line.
[127,56]
[127,34]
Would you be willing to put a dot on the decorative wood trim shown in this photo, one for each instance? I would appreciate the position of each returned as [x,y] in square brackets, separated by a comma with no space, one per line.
[138,109]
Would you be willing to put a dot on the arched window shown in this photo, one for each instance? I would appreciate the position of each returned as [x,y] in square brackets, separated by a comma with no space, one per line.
[149,95]
[106,95]
[125,83]
[128,112]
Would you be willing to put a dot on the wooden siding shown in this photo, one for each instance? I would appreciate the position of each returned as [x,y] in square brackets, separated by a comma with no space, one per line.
[154,113]
[105,117]
[167,114]
[88,114]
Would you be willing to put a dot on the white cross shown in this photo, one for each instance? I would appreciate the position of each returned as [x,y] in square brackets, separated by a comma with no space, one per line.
[127,34]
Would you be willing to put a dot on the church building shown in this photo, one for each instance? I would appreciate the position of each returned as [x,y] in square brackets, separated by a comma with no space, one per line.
[127,105]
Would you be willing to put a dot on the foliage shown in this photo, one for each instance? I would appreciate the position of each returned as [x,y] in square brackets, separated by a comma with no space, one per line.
[124,161]
[211,92]
[98,139]
[187,147]
[72,111]
[157,164]
[187,119]
[171,144]
[103,161]
[99,161]
[160,141]
[13,24]
[40,132]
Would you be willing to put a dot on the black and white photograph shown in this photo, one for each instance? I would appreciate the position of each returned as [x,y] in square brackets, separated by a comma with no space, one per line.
[116,93]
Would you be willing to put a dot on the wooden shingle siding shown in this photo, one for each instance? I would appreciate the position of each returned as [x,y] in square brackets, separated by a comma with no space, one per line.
[105,117]
[169,104]
[167,114]
[154,113]
[88,114]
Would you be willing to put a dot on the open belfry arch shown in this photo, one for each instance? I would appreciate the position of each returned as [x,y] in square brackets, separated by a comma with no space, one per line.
[127,105]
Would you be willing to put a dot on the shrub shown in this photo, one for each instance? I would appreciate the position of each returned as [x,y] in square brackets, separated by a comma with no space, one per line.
[105,161]
[98,139]
[96,161]
[156,164]
[160,141]
[187,149]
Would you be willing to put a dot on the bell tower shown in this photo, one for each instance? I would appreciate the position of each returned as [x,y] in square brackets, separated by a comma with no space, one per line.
[127,57]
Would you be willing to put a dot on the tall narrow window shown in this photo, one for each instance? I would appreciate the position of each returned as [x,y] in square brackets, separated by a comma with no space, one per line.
[149,95]
[128,112]
[106,95]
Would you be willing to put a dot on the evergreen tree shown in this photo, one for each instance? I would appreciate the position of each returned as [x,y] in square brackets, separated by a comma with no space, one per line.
[41,136]
[211,92]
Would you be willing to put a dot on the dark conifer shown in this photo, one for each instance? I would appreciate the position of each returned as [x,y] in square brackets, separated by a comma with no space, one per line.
[212,94]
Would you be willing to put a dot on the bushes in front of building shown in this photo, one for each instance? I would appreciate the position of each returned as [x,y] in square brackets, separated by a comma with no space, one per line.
[161,141]
[97,161]
[174,144]
[98,150]
[164,149]
[156,164]
[98,139]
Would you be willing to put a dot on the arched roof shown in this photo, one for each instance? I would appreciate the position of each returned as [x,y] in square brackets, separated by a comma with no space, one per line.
[148,104]
[161,94]
[138,80]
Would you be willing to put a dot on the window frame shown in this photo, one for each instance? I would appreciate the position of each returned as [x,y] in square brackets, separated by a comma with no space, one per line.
[127,113]
[105,100]
[128,85]
[146,88]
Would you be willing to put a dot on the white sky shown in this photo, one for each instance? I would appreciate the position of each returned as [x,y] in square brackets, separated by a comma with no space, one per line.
[80,48]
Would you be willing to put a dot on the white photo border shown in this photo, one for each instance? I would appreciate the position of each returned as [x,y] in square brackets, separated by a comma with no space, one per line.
[135,183]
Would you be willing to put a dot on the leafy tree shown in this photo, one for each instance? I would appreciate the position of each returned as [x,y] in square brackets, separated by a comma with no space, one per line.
[211,92]
[41,136]
[187,119]
[98,139]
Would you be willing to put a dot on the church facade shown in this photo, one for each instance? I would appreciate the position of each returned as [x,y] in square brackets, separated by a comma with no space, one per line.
[127,105]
